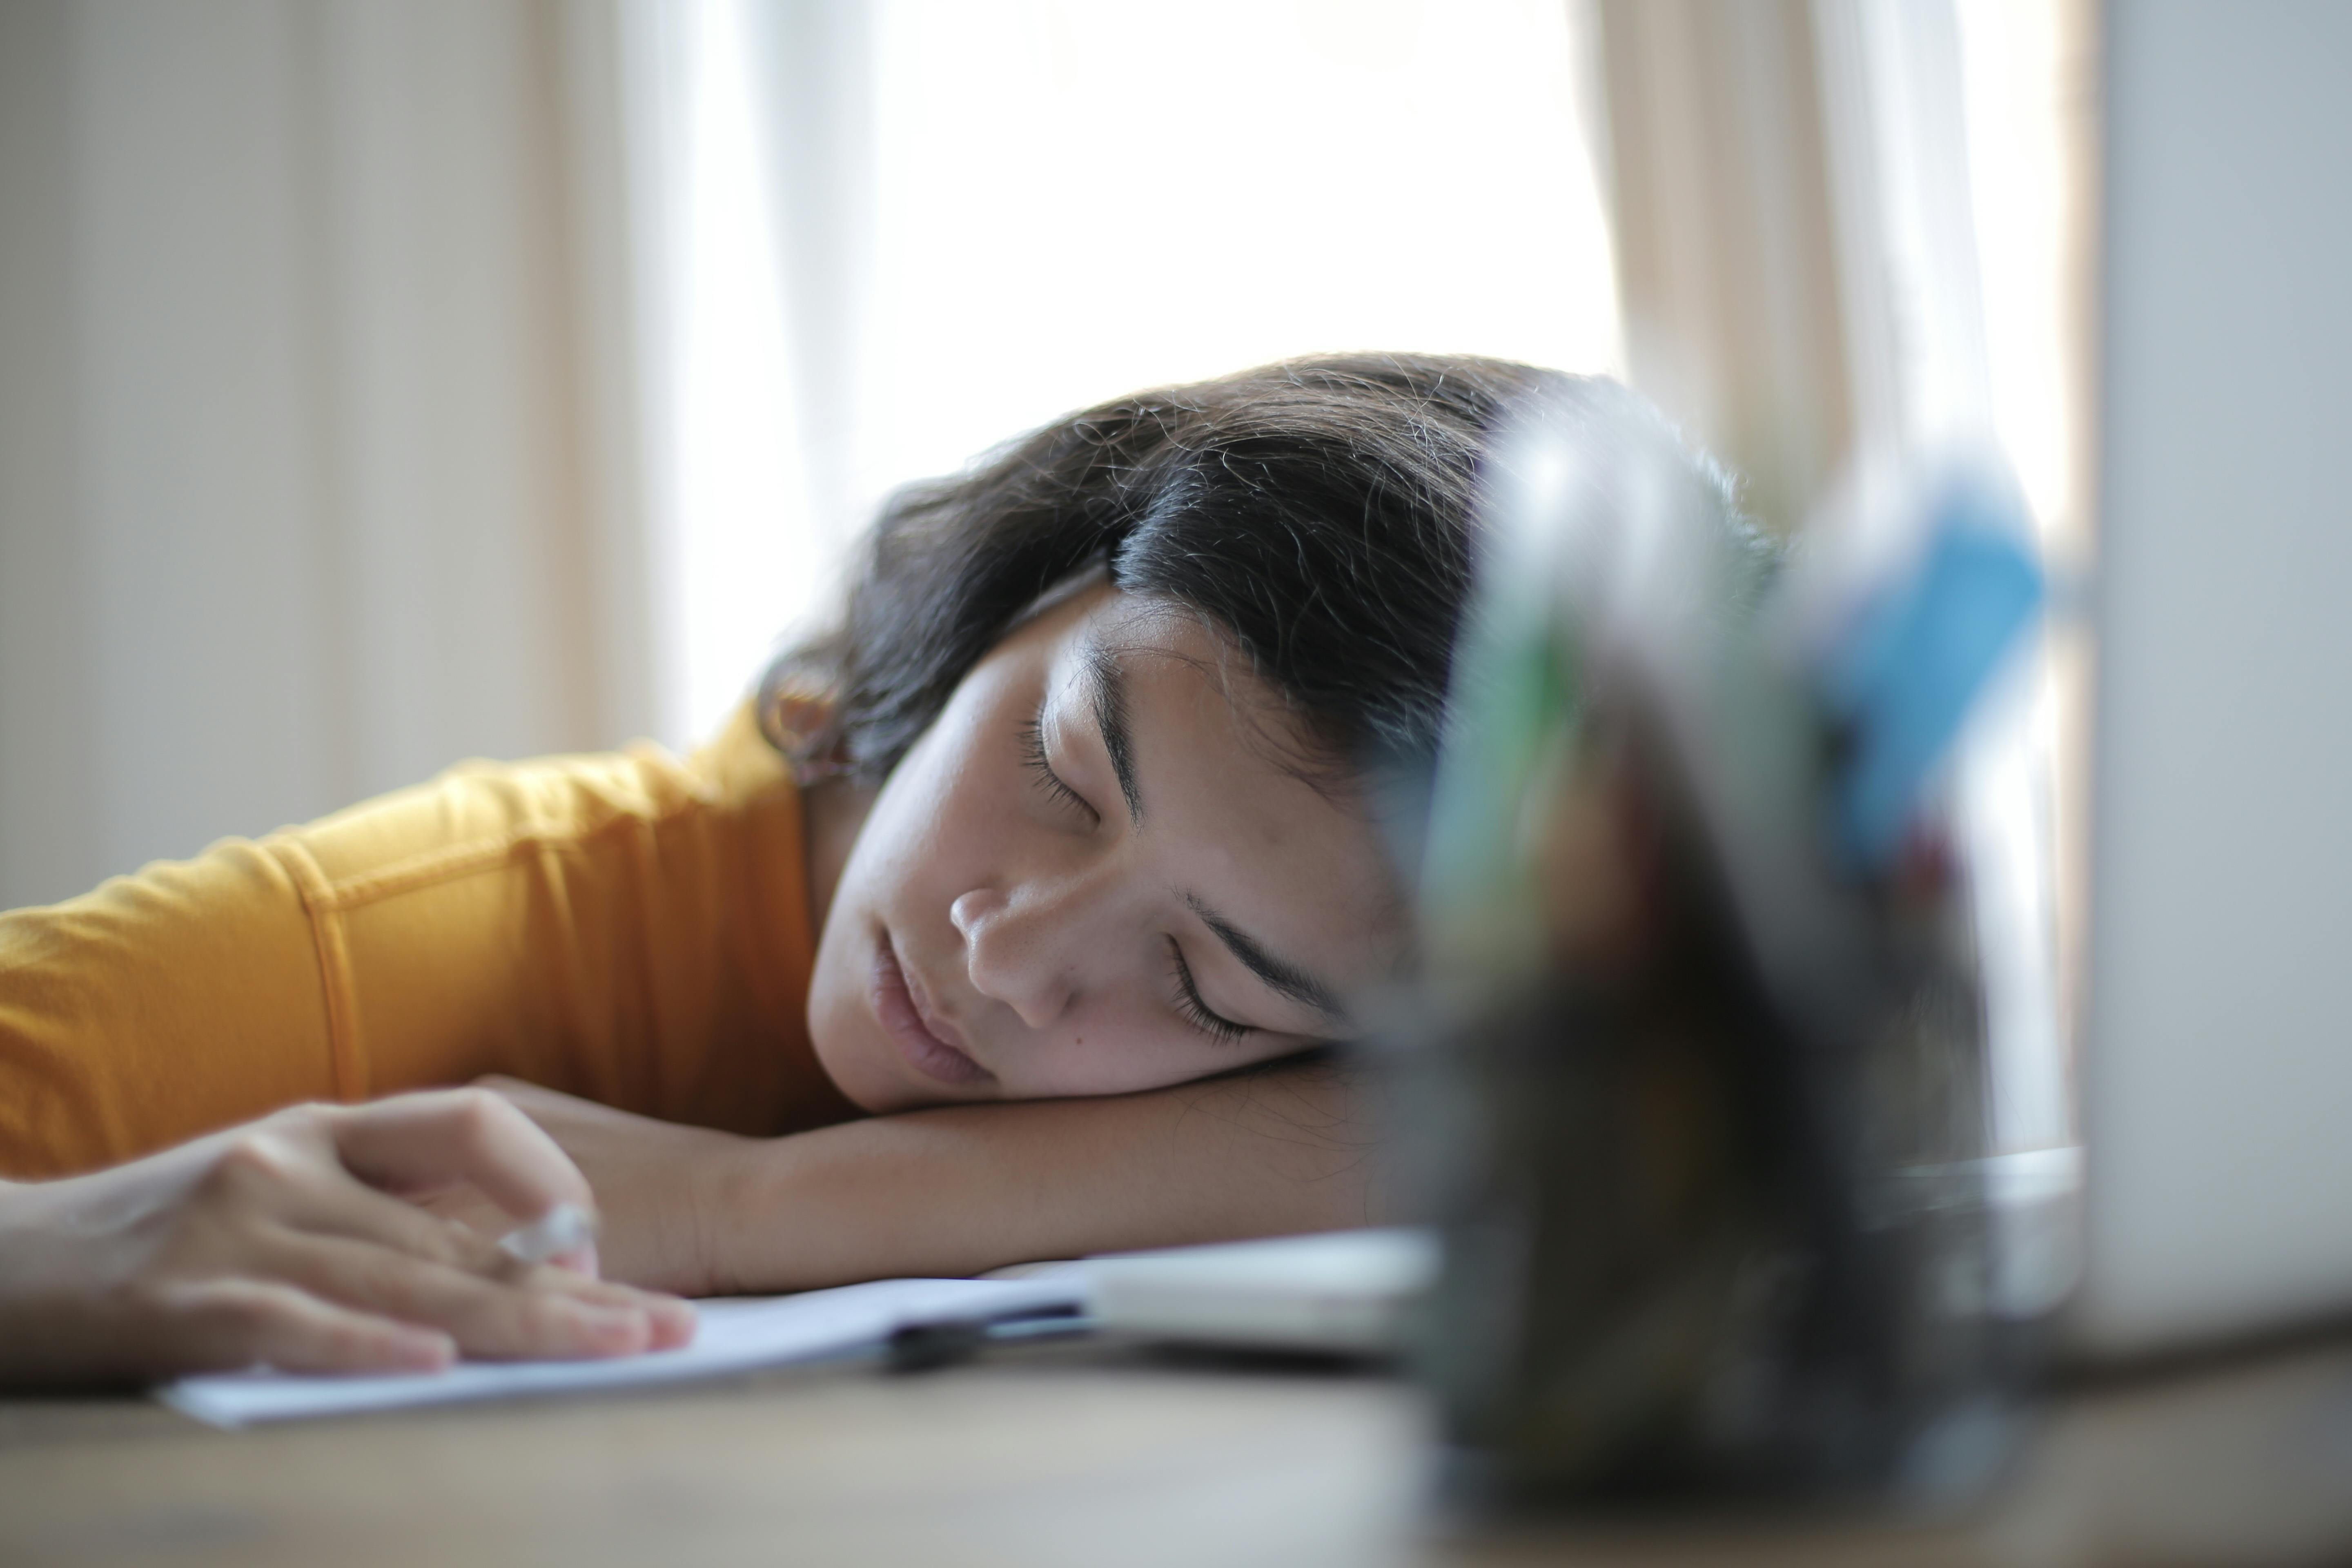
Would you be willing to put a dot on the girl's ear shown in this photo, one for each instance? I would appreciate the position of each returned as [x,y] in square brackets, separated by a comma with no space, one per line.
[796,715]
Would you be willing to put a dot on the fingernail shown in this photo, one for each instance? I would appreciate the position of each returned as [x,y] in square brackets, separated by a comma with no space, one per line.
[579,1260]
[611,1327]
[673,1321]
[423,1352]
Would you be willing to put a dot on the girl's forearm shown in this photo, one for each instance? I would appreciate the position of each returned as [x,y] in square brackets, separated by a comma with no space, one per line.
[962,1190]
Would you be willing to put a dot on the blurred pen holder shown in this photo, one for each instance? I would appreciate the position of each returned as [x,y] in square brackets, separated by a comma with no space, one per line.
[1705,1100]
[1689,1254]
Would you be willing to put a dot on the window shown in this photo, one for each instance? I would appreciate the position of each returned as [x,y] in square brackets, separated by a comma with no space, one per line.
[901,237]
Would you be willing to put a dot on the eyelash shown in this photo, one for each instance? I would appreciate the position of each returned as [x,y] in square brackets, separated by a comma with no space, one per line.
[1196,1011]
[1189,1004]
[1033,756]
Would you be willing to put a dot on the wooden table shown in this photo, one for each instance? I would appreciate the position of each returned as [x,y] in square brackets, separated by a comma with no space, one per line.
[1095,1455]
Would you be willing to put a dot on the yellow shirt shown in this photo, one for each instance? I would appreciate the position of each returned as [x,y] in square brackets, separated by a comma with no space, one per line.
[624,927]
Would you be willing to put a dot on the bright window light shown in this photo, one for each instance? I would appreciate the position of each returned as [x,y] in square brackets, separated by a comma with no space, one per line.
[1071,199]
[2018,82]
[729,511]
[1081,197]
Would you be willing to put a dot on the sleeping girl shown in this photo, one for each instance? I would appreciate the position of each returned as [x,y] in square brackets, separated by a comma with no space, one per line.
[1019,917]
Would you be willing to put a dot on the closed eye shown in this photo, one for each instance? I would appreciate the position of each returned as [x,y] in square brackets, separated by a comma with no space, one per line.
[1195,1011]
[1031,736]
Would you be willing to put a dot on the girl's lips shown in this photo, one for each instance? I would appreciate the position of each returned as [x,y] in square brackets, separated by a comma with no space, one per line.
[894,1004]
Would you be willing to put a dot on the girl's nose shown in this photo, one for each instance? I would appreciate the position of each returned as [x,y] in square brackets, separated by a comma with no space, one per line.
[1022,948]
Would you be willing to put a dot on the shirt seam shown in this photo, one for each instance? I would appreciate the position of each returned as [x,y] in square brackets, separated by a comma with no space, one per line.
[451,862]
[346,1052]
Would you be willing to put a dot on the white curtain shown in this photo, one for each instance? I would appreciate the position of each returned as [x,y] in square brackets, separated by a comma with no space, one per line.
[318,411]
[898,232]
[1804,195]
[384,382]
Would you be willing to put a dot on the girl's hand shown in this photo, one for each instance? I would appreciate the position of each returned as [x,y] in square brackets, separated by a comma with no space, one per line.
[660,1186]
[283,1241]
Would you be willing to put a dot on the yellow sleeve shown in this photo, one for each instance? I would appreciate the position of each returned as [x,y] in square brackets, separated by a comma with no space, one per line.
[625,926]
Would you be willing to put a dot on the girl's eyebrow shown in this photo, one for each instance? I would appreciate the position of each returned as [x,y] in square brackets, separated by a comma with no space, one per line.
[1108,699]
[1110,703]
[1279,973]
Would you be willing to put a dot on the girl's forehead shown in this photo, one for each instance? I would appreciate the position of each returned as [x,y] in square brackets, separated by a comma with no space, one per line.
[1209,758]
[1117,620]
[1165,651]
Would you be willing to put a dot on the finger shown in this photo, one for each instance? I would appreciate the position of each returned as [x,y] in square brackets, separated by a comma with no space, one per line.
[319,1195]
[672,1319]
[562,1231]
[428,1139]
[341,1209]
[236,1323]
[578,1256]
[461,1205]
[553,1316]
[580,1259]
[318,1199]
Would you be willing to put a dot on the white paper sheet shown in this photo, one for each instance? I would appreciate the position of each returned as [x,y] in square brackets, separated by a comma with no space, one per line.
[734,1335]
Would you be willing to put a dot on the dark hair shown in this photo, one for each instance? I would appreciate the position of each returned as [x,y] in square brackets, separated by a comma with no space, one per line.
[1318,510]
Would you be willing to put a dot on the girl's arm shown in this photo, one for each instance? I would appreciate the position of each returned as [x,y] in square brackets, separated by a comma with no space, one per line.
[282,1241]
[960,1190]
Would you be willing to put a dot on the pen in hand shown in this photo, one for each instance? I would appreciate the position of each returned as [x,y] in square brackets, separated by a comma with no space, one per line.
[565,1235]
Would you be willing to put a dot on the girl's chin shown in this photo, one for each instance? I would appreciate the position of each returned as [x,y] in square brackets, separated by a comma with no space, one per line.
[859,1068]
[871,1075]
